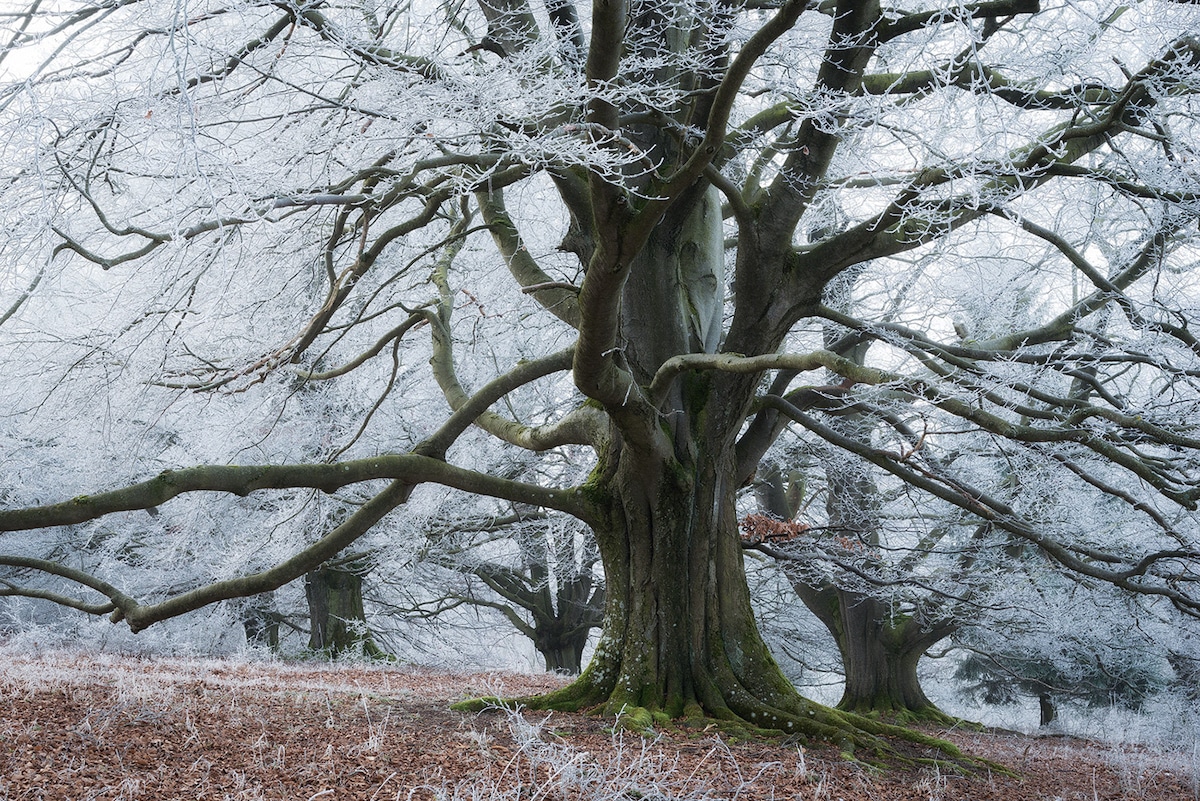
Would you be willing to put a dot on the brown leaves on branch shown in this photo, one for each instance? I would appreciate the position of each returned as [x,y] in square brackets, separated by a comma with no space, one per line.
[760,528]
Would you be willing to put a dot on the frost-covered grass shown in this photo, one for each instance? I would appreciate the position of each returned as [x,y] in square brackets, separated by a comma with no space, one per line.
[519,756]
[1158,741]
[545,767]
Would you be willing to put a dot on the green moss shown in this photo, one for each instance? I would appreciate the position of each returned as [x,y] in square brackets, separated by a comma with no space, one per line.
[578,696]
[594,494]
[863,741]
[929,714]
[595,489]
[480,704]
[678,490]
[675,706]
[636,718]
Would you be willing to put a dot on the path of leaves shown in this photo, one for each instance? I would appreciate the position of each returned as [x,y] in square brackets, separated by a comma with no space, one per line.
[77,726]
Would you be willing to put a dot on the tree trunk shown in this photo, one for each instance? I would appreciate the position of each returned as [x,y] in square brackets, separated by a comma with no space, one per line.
[338,622]
[880,650]
[1046,711]
[561,638]
[880,653]
[260,620]
[559,597]
[679,638]
[562,648]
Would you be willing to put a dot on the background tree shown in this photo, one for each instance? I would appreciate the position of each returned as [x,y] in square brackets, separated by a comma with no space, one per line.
[337,617]
[1069,645]
[538,571]
[839,574]
[185,185]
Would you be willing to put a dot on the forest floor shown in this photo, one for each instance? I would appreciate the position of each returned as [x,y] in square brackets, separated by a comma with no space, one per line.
[97,726]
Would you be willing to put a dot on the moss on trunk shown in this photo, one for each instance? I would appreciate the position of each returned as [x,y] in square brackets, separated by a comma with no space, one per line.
[680,642]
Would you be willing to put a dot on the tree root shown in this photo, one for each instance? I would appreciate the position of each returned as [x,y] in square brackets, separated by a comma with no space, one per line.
[902,716]
[867,741]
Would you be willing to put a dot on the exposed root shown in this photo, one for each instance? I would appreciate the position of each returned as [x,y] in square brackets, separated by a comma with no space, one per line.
[868,741]
[901,716]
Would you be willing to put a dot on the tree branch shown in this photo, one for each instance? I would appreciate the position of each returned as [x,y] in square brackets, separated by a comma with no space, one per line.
[999,513]
[241,481]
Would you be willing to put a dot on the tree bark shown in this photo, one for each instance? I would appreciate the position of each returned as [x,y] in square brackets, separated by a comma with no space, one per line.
[1046,711]
[880,647]
[679,638]
[880,650]
[338,621]
[562,634]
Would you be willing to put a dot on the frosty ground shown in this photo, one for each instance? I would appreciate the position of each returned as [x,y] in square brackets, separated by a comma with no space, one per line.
[85,725]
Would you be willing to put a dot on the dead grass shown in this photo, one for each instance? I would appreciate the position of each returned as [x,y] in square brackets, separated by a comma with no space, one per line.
[95,726]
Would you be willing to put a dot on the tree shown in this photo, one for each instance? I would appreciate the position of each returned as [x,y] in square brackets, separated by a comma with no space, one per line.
[220,174]
[1071,645]
[864,599]
[881,633]
[337,619]
[536,570]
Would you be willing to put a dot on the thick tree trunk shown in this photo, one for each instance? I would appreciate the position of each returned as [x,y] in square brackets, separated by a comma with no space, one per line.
[679,639]
[338,622]
[880,654]
[559,595]
[562,649]
[562,638]
[880,650]
[688,643]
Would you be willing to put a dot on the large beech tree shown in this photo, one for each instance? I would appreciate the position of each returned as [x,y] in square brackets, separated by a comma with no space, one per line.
[653,200]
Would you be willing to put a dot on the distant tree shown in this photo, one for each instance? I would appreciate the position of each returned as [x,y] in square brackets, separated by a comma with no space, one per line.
[1003,679]
[880,633]
[180,181]
[1068,660]
[538,571]
[337,617]
[261,620]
